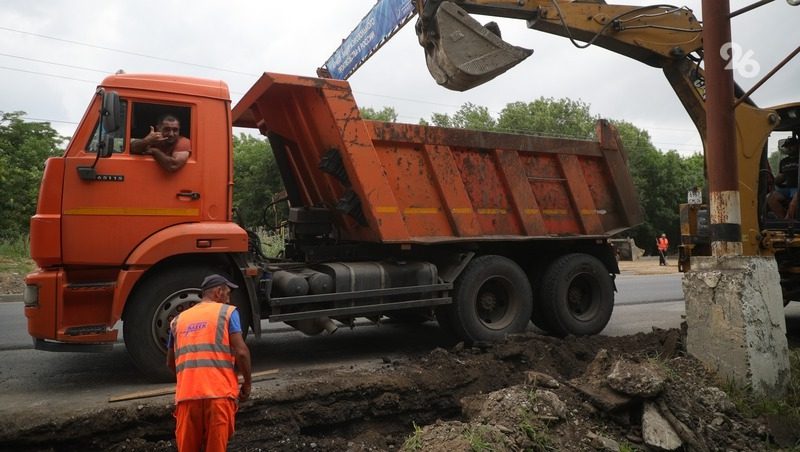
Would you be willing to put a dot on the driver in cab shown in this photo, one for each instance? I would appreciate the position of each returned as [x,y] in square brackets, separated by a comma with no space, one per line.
[165,144]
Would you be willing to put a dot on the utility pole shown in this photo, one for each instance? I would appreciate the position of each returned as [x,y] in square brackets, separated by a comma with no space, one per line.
[721,159]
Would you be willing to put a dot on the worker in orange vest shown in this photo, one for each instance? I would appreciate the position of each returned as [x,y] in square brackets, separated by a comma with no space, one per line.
[205,348]
[663,244]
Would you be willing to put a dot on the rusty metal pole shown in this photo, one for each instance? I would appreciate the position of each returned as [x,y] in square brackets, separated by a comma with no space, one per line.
[721,158]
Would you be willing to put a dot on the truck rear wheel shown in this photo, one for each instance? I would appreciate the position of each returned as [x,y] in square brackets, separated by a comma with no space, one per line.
[491,299]
[577,296]
[158,300]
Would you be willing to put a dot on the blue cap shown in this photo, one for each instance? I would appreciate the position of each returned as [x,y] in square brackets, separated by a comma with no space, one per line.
[215,280]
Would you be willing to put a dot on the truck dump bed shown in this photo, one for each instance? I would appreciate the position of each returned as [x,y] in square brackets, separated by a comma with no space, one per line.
[402,183]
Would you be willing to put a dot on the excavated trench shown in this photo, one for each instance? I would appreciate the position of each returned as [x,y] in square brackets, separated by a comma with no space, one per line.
[376,407]
[329,411]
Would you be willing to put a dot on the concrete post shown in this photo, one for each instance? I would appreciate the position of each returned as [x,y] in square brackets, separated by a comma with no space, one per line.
[734,307]
[735,321]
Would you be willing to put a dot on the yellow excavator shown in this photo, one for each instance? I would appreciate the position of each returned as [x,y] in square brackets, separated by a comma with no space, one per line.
[461,53]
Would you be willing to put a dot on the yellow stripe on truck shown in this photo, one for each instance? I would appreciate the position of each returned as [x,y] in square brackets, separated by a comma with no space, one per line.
[134,211]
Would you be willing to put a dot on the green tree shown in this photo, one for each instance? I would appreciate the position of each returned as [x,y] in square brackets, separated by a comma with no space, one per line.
[469,116]
[662,181]
[24,148]
[548,116]
[387,114]
[256,179]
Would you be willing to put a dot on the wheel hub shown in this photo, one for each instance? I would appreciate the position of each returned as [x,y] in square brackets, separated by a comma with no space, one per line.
[580,295]
[169,308]
[493,303]
[487,301]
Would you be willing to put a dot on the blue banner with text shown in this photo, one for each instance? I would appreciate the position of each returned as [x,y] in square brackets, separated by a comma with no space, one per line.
[385,18]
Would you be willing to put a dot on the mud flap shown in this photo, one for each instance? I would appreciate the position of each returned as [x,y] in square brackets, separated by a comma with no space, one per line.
[461,53]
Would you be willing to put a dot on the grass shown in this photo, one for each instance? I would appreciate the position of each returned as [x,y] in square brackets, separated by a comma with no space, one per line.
[786,408]
[414,442]
[477,438]
[662,364]
[541,440]
[15,256]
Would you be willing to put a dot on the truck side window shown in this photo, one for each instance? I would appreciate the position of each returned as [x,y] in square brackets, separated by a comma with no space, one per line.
[119,134]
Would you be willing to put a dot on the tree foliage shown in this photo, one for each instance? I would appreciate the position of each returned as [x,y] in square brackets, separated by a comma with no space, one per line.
[469,116]
[256,179]
[548,116]
[386,114]
[662,180]
[24,148]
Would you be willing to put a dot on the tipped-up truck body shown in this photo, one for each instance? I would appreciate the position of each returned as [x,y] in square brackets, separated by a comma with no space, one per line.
[482,231]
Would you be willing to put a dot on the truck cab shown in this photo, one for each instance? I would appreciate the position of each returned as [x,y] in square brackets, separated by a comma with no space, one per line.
[103,220]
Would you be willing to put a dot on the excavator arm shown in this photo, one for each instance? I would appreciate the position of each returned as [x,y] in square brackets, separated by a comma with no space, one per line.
[461,53]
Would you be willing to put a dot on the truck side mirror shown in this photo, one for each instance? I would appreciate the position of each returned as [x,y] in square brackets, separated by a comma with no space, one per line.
[110,112]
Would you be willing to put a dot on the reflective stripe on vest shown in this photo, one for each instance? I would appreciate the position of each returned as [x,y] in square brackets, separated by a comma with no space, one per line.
[203,357]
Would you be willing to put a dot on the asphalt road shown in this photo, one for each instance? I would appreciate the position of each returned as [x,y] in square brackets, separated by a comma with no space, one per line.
[36,383]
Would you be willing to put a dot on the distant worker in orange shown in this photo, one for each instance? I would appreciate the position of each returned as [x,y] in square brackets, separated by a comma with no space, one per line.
[165,144]
[205,348]
[662,243]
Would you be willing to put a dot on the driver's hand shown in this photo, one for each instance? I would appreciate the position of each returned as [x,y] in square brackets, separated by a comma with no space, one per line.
[153,137]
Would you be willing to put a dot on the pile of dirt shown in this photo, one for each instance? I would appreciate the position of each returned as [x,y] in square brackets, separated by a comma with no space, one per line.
[530,392]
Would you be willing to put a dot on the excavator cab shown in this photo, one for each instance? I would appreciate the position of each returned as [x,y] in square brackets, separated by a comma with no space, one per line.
[460,52]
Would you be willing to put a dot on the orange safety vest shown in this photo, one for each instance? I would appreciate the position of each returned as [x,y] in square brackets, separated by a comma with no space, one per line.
[663,243]
[204,362]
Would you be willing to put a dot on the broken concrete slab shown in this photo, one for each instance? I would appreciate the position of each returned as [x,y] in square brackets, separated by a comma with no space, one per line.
[657,432]
[637,379]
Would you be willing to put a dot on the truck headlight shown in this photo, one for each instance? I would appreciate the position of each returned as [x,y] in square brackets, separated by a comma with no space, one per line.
[31,296]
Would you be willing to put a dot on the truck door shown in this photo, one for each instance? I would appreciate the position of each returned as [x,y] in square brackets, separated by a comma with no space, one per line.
[130,197]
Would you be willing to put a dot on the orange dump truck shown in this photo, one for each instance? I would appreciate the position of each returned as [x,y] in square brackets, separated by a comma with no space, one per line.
[483,231]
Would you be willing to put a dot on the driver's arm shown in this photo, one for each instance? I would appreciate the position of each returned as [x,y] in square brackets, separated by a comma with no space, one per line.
[170,163]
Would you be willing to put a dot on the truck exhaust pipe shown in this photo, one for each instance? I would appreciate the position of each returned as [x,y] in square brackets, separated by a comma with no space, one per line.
[460,52]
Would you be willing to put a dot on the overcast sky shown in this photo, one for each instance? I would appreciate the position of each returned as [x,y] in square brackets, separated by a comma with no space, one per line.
[53,53]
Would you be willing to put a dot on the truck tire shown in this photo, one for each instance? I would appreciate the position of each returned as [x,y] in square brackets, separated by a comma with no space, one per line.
[491,299]
[577,296]
[152,306]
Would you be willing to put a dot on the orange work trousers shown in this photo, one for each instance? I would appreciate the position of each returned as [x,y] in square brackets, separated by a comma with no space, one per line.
[204,424]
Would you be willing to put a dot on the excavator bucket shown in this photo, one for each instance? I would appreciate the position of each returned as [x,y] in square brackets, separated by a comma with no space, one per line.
[461,53]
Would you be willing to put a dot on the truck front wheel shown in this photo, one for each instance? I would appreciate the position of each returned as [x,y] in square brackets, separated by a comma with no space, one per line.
[577,296]
[153,305]
[491,299]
